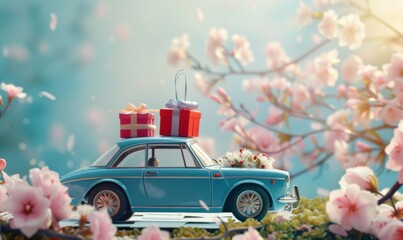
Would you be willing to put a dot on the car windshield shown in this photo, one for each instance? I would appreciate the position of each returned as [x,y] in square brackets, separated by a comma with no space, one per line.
[203,156]
[104,159]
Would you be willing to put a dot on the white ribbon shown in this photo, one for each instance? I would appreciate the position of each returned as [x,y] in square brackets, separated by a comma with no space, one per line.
[181,104]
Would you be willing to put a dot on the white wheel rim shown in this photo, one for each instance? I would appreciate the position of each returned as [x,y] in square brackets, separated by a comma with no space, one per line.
[249,203]
[109,200]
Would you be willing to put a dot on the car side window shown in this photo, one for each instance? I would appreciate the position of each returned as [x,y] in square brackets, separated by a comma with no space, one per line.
[189,159]
[132,158]
[169,155]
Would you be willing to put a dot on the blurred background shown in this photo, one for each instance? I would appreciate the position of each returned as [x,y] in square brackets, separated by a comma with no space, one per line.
[104,54]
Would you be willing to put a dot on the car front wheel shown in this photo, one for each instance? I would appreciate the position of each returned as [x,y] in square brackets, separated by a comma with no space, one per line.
[111,198]
[250,202]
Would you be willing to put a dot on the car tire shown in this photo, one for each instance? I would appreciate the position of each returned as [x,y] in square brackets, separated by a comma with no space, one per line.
[112,197]
[249,202]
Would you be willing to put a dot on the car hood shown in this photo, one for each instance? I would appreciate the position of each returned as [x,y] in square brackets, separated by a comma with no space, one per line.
[78,173]
[253,172]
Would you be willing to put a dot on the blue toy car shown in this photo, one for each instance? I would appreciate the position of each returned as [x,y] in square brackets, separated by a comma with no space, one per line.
[171,174]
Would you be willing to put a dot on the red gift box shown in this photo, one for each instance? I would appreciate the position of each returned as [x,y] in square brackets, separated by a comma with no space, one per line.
[136,125]
[183,123]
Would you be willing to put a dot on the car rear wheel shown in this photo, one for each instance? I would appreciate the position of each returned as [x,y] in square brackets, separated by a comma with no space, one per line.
[250,202]
[111,198]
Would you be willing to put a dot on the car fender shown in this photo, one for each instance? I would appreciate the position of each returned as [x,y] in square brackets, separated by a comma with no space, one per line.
[247,181]
[110,180]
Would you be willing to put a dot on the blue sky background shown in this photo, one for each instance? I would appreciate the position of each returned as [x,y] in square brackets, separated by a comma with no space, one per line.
[104,54]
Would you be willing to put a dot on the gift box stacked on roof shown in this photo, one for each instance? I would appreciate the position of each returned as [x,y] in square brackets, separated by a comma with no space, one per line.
[136,122]
[180,117]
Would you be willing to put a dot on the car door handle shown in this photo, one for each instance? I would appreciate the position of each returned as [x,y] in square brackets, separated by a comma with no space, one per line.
[151,173]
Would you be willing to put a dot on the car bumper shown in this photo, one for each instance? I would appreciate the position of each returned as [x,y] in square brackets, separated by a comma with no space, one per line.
[291,199]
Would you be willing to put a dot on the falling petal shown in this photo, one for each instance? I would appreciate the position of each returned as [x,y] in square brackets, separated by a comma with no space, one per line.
[200,15]
[204,205]
[33,161]
[70,142]
[47,95]
[22,146]
[53,21]
[16,52]
[6,51]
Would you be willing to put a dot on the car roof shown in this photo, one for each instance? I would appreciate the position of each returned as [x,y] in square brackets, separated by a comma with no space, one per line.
[146,140]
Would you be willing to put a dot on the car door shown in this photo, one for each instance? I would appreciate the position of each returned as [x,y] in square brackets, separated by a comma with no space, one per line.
[173,178]
[128,169]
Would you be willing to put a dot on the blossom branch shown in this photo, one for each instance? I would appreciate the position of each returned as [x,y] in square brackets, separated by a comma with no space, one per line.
[313,166]
[390,193]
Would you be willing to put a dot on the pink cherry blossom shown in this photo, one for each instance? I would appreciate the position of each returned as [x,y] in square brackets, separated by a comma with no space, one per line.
[339,117]
[304,15]
[349,68]
[362,147]
[352,208]
[226,110]
[29,208]
[276,55]
[352,31]
[345,158]
[202,84]
[338,230]
[280,83]
[178,49]
[242,50]
[264,139]
[392,231]
[395,69]
[379,81]
[366,72]
[388,211]
[360,106]
[379,223]
[222,93]
[395,152]
[13,91]
[276,116]
[254,84]
[363,177]
[153,233]
[60,204]
[328,26]
[215,45]
[300,96]
[231,124]
[321,70]
[341,91]
[3,193]
[390,113]
[49,182]
[398,91]
[101,225]
[251,234]
[13,181]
